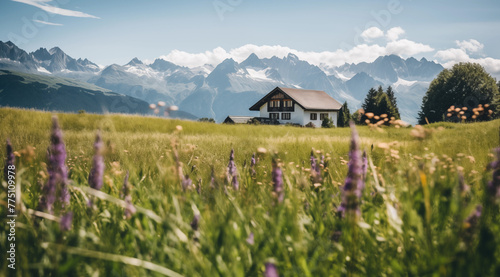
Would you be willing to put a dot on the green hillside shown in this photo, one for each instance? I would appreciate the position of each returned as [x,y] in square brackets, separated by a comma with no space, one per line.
[61,94]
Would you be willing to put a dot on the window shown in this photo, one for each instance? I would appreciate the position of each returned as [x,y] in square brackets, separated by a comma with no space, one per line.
[314,116]
[287,103]
[274,104]
[286,116]
[323,116]
[274,116]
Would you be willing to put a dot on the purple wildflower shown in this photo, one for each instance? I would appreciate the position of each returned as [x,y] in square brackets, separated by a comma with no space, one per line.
[354,183]
[271,270]
[471,222]
[212,178]
[9,161]
[313,161]
[58,172]
[196,222]
[250,240]
[235,183]
[232,172]
[315,169]
[97,172]
[186,182]
[66,221]
[464,188]
[252,165]
[277,176]
[494,184]
[336,235]
[129,207]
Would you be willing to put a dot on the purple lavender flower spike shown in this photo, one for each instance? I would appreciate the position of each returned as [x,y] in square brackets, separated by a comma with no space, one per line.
[354,184]
[186,182]
[232,172]
[313,161]
[196,222]
[9,161]
[277,176]
[250,240]
[271,270]
[235,183]
[231,167]
[97,172]
[129,208]
[66,221]
[58,172]
[494,184]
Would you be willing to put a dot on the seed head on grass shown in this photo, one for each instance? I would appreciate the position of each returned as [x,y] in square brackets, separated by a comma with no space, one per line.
[354,183]
[252,165]
[232,172]
[365,165]
[9,161]
[58,172]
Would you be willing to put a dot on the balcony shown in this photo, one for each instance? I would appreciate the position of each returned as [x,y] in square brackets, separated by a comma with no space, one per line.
[280,109]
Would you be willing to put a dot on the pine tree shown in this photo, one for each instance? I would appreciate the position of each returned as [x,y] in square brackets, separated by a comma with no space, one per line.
[341,118]
[370,102]
[392,98]
[344,116]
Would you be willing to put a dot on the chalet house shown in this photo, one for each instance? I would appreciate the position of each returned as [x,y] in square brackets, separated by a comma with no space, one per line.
[298,106]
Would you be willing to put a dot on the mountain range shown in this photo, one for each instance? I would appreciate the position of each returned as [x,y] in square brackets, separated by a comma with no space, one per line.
[230,88]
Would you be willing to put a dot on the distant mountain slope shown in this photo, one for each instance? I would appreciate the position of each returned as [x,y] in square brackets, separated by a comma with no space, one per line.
[54,93]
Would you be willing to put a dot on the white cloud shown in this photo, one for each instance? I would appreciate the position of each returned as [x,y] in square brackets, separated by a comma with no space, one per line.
[394,33]
[47,23]
[471,45]
[406,47]
[213,57]
[452,56]
[43,4]
[372,33]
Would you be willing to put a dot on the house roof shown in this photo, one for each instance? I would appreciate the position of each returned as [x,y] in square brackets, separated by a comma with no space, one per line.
[307,99]
[238,119]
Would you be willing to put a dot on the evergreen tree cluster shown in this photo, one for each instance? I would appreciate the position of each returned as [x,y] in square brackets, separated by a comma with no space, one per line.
[381,102]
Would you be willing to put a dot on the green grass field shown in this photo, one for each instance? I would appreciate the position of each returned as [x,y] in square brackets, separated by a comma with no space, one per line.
[414,212]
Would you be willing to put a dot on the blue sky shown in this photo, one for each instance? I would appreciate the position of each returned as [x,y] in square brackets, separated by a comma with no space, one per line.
[193,32]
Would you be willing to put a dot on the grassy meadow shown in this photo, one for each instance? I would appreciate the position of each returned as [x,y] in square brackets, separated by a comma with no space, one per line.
[415,209]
